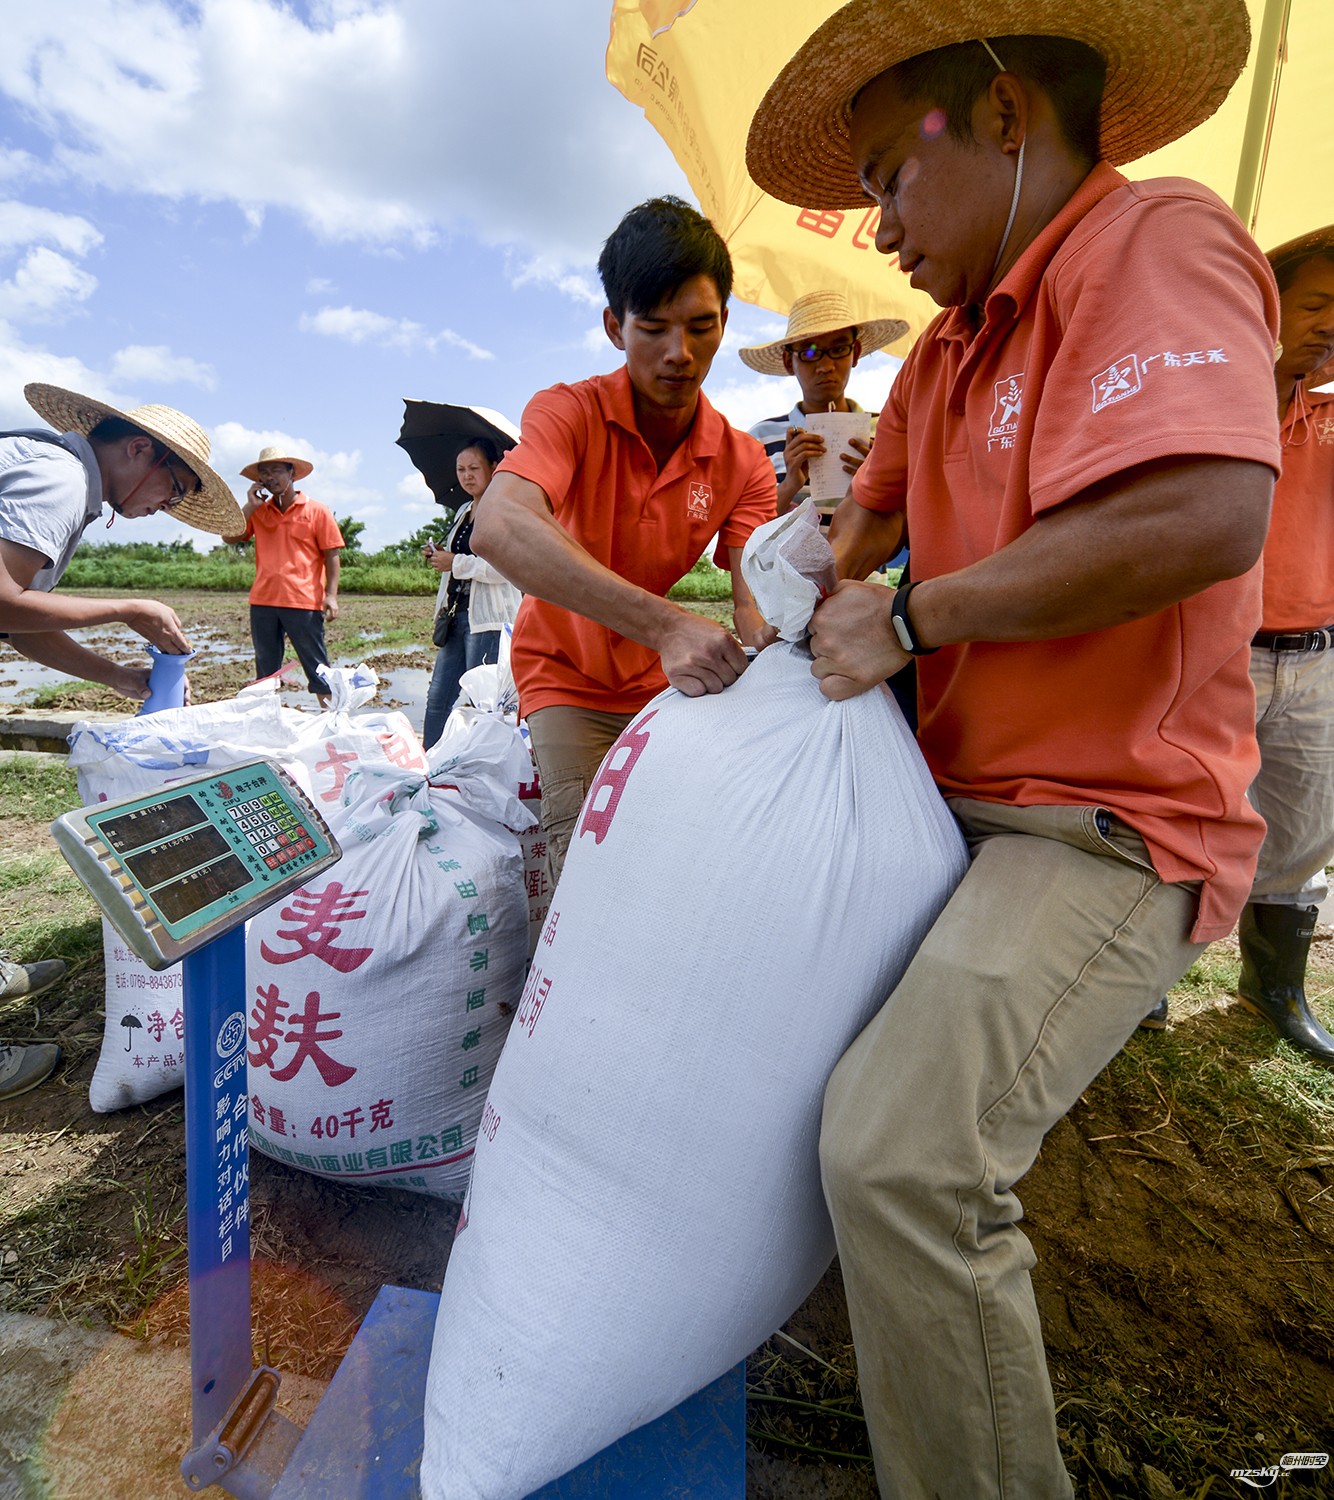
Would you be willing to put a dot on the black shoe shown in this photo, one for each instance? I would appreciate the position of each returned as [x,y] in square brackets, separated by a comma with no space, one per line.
[1275,941]
[1156,1020]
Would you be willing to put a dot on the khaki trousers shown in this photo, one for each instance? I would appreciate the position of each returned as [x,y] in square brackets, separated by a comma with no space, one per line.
[1057,942]
[568,745]
[1294,792]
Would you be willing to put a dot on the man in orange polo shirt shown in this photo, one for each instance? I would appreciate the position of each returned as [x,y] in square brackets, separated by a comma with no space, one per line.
[297,542]
[1084,444]
[1292,661]
[619,485]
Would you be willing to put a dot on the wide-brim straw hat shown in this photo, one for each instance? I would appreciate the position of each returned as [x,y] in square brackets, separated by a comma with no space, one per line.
[1314,242]
[812,315]
[300,468]
[212,508]
[1170,64]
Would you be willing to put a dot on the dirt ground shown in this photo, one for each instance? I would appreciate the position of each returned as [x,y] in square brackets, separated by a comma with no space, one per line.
[1182,1216]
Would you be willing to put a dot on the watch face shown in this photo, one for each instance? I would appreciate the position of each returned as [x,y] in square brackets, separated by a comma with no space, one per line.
[901,630]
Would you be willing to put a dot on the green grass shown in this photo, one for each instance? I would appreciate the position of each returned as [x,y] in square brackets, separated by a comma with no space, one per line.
[35,788]
[158,1243]
[702,582]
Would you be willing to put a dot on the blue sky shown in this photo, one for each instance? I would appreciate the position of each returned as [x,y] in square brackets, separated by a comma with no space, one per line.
[285,218]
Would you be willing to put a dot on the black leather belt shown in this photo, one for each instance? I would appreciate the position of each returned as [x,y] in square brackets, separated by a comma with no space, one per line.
[1295,640]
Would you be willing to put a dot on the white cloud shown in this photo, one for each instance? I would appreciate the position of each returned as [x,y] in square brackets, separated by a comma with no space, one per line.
[46,287]
[340,118]
[360,326]
[319,286]
[155,364]
[27,224]
[542,270]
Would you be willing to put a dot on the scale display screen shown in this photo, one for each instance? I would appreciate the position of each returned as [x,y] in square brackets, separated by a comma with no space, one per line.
[192,893]
[149,824]
[173,869]
[164,862]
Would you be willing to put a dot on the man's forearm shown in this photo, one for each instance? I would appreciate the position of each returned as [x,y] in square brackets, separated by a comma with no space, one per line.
[56,650]
[332,568]
[29,611]
[1156,540]
[863,539]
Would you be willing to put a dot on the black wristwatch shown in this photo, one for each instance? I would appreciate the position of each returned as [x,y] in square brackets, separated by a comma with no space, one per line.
[898,618]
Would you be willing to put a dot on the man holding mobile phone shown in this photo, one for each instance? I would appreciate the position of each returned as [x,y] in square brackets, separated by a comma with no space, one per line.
[297,542]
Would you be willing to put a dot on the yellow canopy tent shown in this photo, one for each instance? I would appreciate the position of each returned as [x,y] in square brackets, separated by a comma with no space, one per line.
[698,68]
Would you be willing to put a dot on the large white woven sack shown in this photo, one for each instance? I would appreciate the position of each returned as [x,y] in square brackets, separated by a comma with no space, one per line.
[749,877]
[328,746]
[143,1041]
[380,994]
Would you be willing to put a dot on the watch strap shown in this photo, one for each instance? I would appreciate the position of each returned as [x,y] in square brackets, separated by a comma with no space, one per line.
[902,623]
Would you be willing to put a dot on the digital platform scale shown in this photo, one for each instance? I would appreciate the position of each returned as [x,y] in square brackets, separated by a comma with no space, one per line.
[176,868]
[178,871]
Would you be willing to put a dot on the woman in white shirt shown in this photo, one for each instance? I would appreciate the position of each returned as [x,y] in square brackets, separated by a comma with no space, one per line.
[477,600]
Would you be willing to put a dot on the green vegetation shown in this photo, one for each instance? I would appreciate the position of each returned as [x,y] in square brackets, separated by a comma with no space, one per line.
[154,567]
[702,582]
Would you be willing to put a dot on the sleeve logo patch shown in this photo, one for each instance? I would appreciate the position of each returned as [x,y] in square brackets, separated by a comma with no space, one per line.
[1117,383]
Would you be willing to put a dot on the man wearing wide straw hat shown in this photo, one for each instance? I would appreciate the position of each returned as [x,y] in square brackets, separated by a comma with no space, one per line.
[1084,444]
[52,487]
[1292,661]
[821,348]
[297,542]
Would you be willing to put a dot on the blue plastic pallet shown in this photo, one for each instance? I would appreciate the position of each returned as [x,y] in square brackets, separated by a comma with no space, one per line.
[365,1440]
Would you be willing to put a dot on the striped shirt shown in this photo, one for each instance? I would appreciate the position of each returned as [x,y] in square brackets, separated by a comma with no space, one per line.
[772,434]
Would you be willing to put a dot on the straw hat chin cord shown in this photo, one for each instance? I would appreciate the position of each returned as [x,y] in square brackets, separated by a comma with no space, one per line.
[1018,175]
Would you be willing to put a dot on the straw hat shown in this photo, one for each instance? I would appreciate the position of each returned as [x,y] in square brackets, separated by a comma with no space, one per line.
[812,315]
[1170,64]
[213,508]
[300,468]
[1314,242]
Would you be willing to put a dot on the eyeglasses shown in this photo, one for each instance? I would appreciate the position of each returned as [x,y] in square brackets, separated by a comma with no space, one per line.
[808,354]
[179,491]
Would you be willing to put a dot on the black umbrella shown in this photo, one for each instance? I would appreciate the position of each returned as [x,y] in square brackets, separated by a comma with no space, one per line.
[434,435]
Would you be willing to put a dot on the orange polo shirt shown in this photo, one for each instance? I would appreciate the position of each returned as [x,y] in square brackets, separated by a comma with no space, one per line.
[289,552]
[1299,552]
[581,445]
[1139,325]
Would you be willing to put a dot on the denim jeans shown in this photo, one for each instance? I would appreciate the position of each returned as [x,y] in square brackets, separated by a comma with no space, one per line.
[460,653]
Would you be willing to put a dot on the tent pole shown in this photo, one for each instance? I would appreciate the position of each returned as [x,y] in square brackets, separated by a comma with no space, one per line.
[1270,51]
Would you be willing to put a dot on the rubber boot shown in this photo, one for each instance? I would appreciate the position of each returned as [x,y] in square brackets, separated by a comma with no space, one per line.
[1275,941]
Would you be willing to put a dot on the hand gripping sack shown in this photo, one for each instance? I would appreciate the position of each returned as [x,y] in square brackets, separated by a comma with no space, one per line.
[143,1041]
[380,994]
[750,875]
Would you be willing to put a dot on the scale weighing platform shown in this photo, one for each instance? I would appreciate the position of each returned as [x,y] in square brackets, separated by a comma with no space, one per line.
[177,873]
